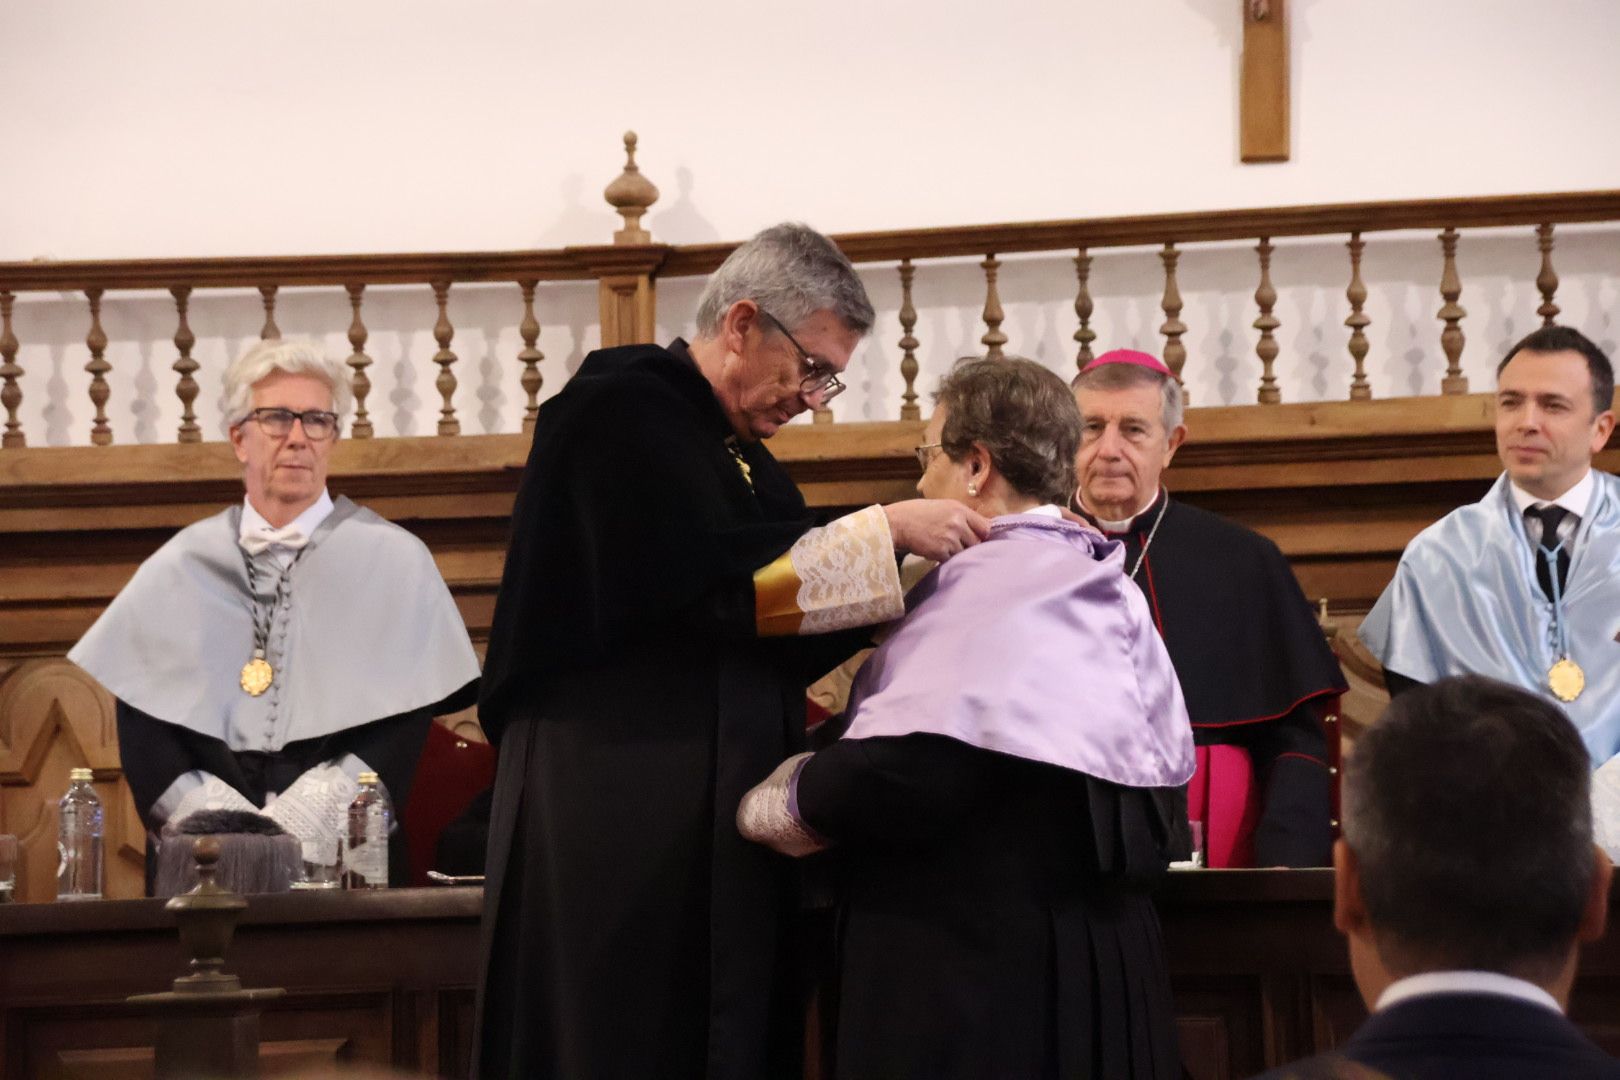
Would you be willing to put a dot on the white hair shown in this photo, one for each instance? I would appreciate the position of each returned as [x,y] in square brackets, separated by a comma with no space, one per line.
[298,356]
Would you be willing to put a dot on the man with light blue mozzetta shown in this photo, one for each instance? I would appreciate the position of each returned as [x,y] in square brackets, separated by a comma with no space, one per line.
[1524,585]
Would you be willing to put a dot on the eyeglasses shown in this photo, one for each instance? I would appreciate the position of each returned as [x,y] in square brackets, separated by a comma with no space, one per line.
[820,377]
[925,454]
[318,423]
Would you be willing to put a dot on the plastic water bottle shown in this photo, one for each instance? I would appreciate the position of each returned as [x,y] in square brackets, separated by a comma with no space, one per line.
[78,843]
[365,863]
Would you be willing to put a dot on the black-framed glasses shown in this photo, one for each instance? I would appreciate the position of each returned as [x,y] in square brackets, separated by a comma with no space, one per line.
[925,454]
[820,377]
[276,422]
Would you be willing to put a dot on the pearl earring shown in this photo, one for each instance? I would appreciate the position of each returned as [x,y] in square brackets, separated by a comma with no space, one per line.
[973,489]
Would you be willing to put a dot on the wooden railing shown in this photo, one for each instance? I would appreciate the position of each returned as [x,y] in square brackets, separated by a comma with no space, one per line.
[627,270]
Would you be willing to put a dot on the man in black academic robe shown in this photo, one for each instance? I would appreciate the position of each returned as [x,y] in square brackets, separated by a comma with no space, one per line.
[647,663]
[1255,669]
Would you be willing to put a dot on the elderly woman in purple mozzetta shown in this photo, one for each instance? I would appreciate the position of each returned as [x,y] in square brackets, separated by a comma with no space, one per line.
[1009,785]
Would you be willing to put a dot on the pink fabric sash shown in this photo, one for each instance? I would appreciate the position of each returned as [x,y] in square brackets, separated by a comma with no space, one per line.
[1223,796]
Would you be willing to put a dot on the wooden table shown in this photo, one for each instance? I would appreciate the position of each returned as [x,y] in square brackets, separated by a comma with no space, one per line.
[377,977]
[1260,976]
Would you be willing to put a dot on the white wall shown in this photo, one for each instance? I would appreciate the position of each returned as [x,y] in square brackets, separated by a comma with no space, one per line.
[212,128]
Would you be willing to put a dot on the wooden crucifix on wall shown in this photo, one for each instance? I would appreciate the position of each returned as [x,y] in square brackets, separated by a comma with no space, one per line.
[1263,85]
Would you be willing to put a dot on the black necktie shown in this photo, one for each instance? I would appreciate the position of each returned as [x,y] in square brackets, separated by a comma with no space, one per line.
[1550,516]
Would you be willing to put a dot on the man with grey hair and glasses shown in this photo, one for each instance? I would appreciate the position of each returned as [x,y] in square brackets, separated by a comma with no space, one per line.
[666,598]
[266,656]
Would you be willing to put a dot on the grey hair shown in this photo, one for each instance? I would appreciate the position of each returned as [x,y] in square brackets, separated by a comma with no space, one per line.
[1121,376]
[298,356]
[791,271]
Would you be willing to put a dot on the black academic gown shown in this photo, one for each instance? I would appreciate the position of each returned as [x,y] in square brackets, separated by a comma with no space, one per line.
[630,931]
[993,919]
[1253,664]
[155,753]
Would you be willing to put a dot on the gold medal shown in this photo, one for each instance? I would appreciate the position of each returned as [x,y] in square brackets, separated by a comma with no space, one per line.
[742,463]
[257,675]
[1566,680]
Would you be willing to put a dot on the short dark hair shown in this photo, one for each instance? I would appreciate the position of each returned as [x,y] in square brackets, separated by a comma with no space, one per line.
[1023,414]
[1551,339]
[1468,809]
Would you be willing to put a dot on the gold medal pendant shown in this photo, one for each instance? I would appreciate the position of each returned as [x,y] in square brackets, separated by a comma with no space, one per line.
[257,675]
[742,463]
[1566,680]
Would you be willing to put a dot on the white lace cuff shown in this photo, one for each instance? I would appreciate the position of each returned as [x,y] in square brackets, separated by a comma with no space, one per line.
[838,576]
[315,809]
[1606,808]
[194,791]
[767,815]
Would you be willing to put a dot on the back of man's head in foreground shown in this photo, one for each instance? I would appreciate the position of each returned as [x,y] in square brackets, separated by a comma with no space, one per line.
[1468,823]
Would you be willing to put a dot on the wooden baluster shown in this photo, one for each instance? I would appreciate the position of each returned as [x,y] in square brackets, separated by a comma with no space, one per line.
[446,382]
[1267,323]
[359,361]
[1547,280]
[1451,338]
[186,391]
[530,355]
[1175,353]
[10,392]
[100,431]
[993,338]
[1083,307]
[270,331]
[908,344]
[1360,389]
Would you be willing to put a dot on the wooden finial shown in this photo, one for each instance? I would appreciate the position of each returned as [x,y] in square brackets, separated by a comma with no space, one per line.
[631,195]
[207,916]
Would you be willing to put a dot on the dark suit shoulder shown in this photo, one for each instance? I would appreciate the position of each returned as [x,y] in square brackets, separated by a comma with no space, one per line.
[1487,1036]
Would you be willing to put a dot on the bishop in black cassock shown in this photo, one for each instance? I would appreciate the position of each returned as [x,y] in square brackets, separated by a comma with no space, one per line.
[1255,670]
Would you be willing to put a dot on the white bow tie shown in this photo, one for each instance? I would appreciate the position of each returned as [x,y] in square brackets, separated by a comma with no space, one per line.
[263,537]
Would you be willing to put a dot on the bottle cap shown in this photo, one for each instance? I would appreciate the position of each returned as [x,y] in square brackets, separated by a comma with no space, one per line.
[81,774]
[365,778]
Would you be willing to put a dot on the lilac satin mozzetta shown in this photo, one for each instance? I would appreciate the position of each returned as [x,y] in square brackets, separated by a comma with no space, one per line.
[1033,644]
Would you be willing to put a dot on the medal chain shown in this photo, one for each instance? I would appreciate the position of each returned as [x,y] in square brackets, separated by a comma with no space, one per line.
[1565,679]
[262,624]
[1141,556]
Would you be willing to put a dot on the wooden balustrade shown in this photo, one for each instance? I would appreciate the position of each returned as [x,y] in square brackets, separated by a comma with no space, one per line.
[909,409]
[10,372]
[359,361]
[270,331]
[1266,296]
[184,339]
[1357,321]
[1083,309]
[626,272]
[993,338]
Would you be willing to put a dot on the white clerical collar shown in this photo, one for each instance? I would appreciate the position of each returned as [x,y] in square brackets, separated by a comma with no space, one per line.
[1047,510]
[1465,982]
[1125,524]
[306,523]
[1576,500]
